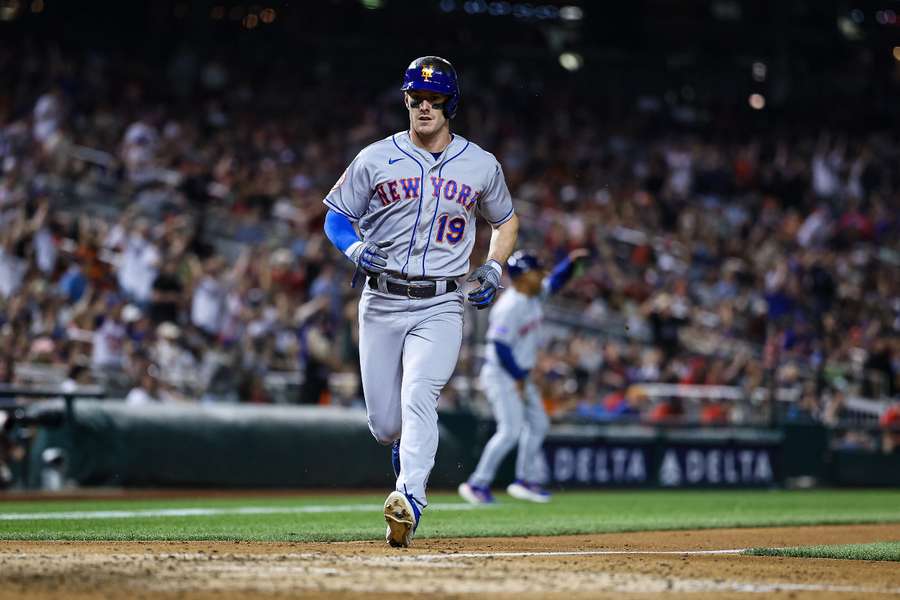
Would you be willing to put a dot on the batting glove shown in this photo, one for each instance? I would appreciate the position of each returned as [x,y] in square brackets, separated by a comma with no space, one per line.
[488,276]
[369,258]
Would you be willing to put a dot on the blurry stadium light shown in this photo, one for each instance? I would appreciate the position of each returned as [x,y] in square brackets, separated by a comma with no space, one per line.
[570,61]
[268,15]
[499,9]
[897,53]
[448,5]
[9,10]
[217,13]
[37,6]
[757,101]
[546,12]
[759,71]
[571,13]
[849,29]
[372,4]
[250,21]
[857,15]
[726,10]
[886,17]
[473,7]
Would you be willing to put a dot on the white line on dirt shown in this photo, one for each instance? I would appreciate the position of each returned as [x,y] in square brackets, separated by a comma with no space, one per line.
[438,557]
[210,512]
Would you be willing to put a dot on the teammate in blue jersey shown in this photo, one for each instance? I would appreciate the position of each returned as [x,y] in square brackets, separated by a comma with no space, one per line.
[513,342]
[414,197]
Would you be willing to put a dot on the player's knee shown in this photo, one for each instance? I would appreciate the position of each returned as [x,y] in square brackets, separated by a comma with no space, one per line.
[417,391]
[385,433]
[508,437]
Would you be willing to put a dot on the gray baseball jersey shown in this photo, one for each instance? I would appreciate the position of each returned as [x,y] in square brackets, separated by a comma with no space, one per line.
[396,191]
[515,320]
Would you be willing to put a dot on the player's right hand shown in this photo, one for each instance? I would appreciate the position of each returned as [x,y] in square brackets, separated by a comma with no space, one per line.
[370,257]
[486,293]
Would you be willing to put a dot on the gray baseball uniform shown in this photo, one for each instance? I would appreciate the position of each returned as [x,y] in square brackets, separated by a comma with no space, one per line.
[397,191]
[515,320]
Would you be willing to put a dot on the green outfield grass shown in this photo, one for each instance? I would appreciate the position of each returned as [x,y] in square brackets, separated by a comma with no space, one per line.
[877,551]
[358,517]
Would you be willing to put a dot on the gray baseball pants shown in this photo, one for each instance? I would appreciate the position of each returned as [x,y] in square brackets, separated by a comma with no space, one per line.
[408,350]
[521,421]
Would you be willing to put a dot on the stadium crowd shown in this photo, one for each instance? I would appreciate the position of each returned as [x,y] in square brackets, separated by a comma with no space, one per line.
[160,234]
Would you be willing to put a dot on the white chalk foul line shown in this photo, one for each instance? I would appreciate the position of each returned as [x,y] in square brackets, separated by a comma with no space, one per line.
[438,557]
[210,512]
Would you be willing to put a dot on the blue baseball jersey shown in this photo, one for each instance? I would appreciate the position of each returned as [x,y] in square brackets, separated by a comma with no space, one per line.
[396,191]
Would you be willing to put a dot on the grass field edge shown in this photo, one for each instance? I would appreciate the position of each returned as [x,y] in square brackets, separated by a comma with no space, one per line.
[425,534]
[887,551]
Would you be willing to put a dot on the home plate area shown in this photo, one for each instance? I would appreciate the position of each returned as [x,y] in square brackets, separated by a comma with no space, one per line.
[689,564]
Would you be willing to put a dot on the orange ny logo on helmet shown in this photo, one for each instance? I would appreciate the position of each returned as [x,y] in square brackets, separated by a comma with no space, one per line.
[427,72]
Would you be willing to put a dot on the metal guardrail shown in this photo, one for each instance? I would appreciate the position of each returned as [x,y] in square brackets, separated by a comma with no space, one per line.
[10,395]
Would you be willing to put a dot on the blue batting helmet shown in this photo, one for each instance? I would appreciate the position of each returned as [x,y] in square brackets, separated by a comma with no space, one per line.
[521,262]
[433,74]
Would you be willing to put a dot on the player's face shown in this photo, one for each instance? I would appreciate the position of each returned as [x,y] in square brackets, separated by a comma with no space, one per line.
[424,118]
[530,283]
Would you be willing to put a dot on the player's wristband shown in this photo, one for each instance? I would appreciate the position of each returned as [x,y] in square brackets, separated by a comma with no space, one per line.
[496,266]
[351,249]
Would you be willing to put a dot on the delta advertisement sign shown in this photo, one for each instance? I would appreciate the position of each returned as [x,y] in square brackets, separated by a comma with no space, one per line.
[667,465]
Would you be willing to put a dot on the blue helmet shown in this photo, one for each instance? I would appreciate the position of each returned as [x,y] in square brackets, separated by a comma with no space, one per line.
[521,262]
[433,74]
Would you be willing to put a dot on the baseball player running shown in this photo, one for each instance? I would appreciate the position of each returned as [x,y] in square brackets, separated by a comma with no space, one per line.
[413,197]
[513,339]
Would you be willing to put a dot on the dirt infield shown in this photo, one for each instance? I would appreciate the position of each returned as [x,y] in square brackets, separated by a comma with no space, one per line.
[638,565]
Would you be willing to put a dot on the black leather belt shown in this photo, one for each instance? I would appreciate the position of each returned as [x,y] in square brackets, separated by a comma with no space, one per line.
[419,289]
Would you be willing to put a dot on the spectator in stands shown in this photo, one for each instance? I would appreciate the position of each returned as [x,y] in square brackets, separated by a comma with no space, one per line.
[667,411]
[109,340]
[146,392]
[166,294]
[890,422]
[139,262]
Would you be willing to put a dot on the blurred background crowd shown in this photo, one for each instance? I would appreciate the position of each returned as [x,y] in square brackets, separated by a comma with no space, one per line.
[161,215]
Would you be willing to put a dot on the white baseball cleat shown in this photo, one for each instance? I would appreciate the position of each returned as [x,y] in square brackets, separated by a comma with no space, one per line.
[474,494]
[532,492]
[402,517]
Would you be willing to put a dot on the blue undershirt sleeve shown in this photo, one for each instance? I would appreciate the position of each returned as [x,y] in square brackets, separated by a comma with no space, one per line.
[340,231]
[560,274]
[508,361]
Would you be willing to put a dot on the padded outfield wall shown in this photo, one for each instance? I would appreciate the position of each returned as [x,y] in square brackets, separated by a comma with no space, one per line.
[107,443]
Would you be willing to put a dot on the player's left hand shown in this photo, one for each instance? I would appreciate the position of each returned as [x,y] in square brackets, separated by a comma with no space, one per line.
[489,279]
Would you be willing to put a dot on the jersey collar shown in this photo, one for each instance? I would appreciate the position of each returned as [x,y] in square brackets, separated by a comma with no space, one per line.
[456,141]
